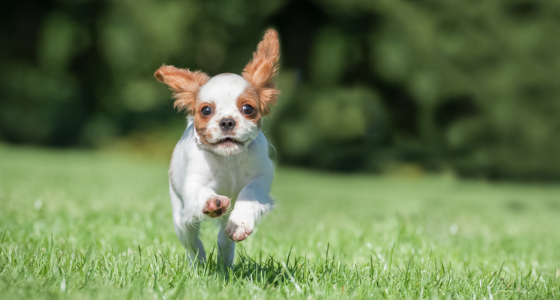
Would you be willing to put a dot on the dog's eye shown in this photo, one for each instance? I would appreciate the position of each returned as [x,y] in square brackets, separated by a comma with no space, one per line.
[247,109]
[207,110]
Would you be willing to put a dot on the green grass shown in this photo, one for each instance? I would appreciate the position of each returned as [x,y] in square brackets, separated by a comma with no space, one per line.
[94,225]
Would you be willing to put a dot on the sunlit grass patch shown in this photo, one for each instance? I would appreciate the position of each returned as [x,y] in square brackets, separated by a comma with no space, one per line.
[94,225]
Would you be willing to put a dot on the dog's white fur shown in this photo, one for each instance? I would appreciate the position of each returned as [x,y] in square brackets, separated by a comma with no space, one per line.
[197,173]
[238,173]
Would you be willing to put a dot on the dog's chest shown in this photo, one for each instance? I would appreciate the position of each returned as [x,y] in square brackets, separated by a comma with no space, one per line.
[232,175]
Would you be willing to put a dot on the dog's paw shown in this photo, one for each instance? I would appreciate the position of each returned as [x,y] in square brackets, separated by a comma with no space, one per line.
[238,231]
[216,206]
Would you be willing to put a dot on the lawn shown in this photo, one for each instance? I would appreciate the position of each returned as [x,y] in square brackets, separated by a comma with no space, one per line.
[97,225]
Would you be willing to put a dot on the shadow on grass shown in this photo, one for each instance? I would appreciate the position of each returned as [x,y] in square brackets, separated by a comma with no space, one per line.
[266,271]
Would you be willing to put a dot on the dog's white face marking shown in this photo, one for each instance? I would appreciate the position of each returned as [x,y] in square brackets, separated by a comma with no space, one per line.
[226,115]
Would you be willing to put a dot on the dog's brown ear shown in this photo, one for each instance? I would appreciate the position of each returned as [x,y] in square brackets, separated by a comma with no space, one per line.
[262,68]
[185,85]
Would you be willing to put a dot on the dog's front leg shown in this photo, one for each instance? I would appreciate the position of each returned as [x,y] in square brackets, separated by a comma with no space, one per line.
[253,201]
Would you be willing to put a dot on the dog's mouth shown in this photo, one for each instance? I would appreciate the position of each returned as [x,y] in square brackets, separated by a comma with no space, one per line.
[228,142]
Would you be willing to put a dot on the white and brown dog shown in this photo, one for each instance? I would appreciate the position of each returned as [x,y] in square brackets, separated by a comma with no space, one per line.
[220,168]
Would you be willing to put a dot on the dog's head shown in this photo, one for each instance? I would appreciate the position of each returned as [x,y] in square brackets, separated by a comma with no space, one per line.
[228,108]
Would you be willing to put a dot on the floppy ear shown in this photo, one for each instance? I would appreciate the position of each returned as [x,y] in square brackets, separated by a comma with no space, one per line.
[262,68]
[185,85]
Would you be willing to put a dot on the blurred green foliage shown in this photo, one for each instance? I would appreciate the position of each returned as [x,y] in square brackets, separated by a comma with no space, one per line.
[471,86]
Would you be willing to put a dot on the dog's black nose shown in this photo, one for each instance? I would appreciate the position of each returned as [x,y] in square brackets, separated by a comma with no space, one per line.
[227,124]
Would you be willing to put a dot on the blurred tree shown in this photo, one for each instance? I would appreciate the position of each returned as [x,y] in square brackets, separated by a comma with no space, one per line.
[471,85]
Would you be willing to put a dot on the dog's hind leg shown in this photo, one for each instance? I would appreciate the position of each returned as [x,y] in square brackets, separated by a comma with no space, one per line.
[188,235]
[226,247]
[187,232]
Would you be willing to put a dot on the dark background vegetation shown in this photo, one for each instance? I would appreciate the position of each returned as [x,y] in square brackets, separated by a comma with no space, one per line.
[468,86]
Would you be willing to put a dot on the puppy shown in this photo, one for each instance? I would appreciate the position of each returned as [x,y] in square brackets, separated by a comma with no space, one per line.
[220,168]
